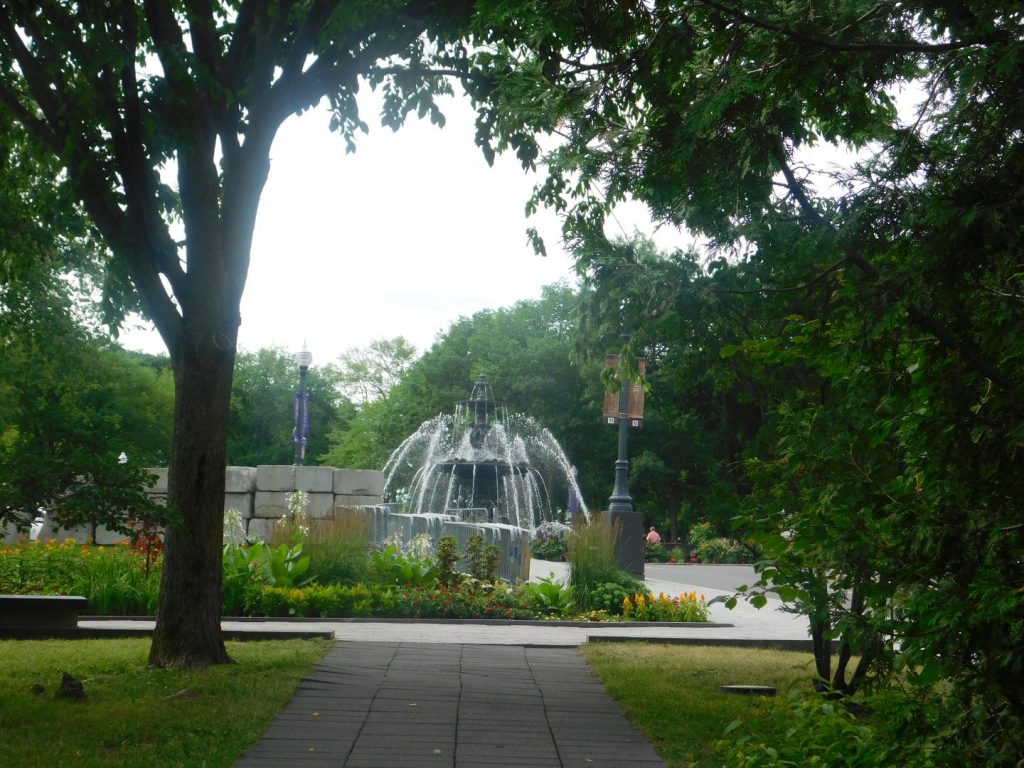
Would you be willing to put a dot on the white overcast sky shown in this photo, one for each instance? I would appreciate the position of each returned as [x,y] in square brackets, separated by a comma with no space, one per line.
[400,238]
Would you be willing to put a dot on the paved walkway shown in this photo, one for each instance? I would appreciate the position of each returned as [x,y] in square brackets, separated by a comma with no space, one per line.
[415,705]
[466,695]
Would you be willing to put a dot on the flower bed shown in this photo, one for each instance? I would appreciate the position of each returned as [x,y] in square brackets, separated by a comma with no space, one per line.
[305,571]
[120,580]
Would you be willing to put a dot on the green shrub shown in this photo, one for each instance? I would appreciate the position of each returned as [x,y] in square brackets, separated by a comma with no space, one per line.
[721,550]
[327,600]
[548,597]
[447,557]
[809,729]
[368,600]
[312,600]
[482,559]
[610,597]
[444,602]
[658,553]
[700,532]
[270,601]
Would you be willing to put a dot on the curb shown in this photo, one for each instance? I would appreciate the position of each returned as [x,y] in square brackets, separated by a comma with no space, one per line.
[483,622]
[103,633]
[726,642]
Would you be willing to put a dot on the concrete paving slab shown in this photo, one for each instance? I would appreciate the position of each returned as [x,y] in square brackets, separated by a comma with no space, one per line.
[449,719]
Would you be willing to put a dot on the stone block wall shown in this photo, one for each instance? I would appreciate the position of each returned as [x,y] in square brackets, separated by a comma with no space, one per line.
[260,494]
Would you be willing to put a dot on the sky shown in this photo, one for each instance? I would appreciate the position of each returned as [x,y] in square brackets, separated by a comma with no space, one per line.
[400,238]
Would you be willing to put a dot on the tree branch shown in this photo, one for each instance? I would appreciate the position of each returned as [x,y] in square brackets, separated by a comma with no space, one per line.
[137,169]
[912,46]
[790,289]
[170,49]
[38,84]
[75,145]
[923,319]
[30,122]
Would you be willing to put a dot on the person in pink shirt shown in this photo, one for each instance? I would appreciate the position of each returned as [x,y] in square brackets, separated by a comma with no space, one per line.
[653,537]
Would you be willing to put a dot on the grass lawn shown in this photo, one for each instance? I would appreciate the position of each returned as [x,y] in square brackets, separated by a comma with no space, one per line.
[671,692]
[134,716]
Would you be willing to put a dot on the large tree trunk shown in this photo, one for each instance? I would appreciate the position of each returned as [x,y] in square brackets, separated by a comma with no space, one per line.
[188,630]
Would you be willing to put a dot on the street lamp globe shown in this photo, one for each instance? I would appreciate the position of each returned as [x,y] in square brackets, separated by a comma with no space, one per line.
[303,357]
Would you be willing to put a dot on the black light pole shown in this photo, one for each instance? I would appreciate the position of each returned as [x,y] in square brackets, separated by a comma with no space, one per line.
[620,500]
[629,547]
[302,359]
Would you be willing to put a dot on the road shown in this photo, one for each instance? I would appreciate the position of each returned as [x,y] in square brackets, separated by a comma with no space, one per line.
[724,578]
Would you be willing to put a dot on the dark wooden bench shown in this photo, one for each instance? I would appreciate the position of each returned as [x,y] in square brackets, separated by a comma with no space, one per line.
[41,611]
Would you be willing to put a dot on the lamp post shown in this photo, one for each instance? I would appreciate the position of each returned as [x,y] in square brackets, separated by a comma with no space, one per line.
[301,431]
[620,500]
[629,548]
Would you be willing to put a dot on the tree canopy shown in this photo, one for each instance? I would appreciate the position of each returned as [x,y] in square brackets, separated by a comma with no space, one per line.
[158,119]
[881,303]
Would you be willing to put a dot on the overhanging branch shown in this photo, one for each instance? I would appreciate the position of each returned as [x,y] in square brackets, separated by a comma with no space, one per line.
[912,46]
[972,355]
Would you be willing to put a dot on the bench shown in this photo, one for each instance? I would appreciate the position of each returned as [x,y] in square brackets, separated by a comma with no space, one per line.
[41,611]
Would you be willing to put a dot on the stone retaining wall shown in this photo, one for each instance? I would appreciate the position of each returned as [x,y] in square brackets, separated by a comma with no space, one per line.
[259,493]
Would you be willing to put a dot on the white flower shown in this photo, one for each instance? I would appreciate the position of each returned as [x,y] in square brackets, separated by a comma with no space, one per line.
[234,528]
[421,546]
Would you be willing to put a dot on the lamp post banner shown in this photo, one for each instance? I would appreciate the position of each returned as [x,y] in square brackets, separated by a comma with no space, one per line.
[635,407]
[301,429]
[305,416]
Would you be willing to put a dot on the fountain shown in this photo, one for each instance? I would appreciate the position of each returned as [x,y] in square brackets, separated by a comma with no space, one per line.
[482,465]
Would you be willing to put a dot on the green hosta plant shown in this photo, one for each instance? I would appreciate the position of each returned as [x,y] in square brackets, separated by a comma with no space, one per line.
[280,566]
[390,566]
[261,564]
[549,597]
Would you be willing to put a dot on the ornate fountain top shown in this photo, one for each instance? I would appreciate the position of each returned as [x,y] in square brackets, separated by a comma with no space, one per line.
[481,463]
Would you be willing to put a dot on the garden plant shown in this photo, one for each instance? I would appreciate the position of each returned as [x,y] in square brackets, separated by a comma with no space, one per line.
[326,569]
